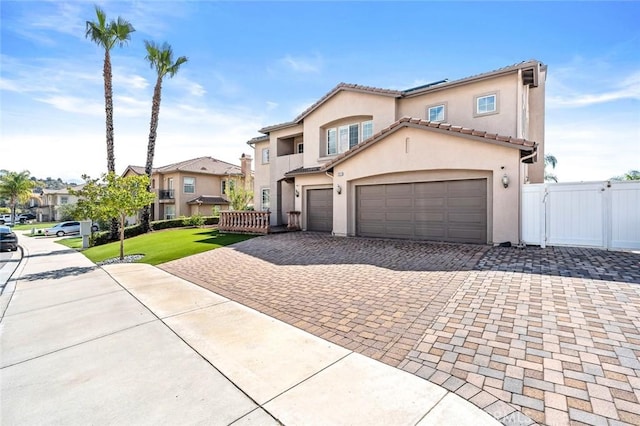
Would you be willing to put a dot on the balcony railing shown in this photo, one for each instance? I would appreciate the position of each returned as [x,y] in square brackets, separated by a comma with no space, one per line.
[244,221]
[165,194]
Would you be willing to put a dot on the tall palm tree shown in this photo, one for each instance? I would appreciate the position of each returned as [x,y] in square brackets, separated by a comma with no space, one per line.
[17,187]
[106,35]
[161,59]
[550,160]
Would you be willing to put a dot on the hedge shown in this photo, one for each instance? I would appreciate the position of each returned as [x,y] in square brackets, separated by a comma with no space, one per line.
[132,231]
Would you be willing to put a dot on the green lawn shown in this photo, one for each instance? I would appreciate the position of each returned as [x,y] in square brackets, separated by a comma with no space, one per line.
[161,246]
[30,226]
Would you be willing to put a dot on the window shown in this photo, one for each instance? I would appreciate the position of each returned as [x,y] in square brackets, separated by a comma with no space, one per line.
[331,142]
[343,138]
[264,198]
[64,199]
[486,104]
[435,113]
[232,184]
[367,130]
[265,155]
[300,148]
[169,211]
[189,185]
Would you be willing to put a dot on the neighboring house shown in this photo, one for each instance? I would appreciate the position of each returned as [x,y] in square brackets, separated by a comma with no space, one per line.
[194,186]
[51,202]
[444,161]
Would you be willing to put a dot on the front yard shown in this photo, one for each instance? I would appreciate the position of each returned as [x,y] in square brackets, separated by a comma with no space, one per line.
[160,246]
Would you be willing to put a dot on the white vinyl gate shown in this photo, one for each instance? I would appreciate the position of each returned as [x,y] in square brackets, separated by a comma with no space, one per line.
[590,214]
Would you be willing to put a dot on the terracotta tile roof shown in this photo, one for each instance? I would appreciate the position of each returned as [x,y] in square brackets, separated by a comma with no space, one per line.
[400,93]
[208,200]
[204,165]
[477,135]
[504,70]
[303,171]
[327,96]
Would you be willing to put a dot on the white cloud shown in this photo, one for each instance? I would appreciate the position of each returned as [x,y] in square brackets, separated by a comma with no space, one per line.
[74,104]
[271,105]
[565,89]
[303,64]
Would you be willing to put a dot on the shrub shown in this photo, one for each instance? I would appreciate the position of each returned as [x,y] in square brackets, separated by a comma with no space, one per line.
[196,220]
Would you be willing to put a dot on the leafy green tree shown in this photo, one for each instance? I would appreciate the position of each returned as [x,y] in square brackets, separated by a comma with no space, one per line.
[239,197]
[113,196]
[107,35]
[160,58]
[17,187]
[550,160]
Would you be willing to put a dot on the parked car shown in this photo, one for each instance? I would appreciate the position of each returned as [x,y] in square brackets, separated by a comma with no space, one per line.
[67,228]
[26,216]
[6,219]
[63,228]
[8,239]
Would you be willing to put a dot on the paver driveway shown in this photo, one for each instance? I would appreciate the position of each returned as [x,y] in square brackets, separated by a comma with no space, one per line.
[536,335]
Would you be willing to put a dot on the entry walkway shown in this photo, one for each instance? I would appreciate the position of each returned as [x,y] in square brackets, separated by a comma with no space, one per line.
[134,344]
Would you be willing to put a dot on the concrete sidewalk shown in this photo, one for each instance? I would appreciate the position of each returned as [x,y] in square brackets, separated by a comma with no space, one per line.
[134,344]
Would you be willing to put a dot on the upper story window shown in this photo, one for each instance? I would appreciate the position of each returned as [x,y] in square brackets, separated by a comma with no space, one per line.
[189,185]
[265,155]
[486,104]
[299,148]
[436,113]
[231,184]
[343,138]
[64,199]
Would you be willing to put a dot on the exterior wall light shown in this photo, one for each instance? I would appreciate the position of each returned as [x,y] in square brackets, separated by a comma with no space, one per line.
[338,189]
[505,181]
[297,193]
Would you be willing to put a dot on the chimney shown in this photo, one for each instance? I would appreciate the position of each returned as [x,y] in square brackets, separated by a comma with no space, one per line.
[245,167]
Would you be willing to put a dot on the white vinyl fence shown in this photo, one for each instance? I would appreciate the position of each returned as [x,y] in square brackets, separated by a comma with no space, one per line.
[590,214]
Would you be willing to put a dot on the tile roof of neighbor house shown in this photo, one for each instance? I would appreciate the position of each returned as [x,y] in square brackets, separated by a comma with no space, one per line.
[205,165]
[473,134]
[208,200]
[400,93]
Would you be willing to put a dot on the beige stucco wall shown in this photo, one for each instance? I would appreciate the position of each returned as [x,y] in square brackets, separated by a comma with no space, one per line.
[411,155]
[204,185]
[460,105]
[337,110]
[261,178]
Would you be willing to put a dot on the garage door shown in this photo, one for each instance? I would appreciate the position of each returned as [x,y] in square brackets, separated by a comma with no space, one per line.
[454,211]
[320,210]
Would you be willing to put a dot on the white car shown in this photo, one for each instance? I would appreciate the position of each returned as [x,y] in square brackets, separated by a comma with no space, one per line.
[6,219]
[67,228]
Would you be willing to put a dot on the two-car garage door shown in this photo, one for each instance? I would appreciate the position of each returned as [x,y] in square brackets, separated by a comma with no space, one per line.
[454,211]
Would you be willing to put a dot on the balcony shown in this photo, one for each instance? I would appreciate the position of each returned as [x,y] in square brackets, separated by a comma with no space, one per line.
[165,195]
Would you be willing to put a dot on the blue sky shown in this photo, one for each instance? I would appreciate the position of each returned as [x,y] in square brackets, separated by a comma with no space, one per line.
[253,64]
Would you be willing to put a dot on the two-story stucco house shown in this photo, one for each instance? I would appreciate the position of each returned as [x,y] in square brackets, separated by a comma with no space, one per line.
[51,202]
[442,162]
[194,186]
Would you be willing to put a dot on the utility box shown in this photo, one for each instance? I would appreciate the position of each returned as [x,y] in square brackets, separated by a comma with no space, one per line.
[85,231]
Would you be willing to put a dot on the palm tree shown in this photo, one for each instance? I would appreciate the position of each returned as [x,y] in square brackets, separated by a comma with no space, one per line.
[107,35]
[550,160]
[161,59]
[17,187]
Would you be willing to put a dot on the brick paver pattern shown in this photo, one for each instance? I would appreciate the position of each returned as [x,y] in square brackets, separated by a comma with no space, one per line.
[548,336]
